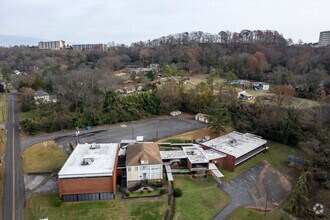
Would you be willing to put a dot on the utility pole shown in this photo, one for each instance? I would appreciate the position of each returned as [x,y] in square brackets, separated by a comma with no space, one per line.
[157,132]
[77,134]
[132,130]
[266,200]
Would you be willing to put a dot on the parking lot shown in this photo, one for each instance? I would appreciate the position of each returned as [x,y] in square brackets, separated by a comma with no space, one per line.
[253,187]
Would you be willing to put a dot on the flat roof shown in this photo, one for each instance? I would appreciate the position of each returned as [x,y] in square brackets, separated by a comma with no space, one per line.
[169,173]
[213,154]
[235,143]
[172,154]
[213,168]
[199,154]
[195,154]
[103,162]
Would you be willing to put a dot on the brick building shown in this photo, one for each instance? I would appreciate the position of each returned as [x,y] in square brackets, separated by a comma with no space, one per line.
[89,173]
[197,160]
[237,147]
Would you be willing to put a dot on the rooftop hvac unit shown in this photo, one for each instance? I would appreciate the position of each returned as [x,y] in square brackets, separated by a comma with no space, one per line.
[192,152]
[95,146]
[87,161]
[232,141]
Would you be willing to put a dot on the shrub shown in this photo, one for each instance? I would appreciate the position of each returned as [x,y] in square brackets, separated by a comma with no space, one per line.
[177,192]
[162,191]
[178,140]
[58,202]
[157,184]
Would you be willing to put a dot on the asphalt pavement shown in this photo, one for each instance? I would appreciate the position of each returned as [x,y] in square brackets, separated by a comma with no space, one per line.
[150,129]
[253,188]
[13,197]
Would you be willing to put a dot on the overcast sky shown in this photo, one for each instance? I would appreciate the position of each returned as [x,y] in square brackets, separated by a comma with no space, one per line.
[127,21]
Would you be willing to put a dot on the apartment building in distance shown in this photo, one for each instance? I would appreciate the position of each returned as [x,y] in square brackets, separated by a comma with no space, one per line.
[324,38]
[52,45]
[89,47]
[90,173]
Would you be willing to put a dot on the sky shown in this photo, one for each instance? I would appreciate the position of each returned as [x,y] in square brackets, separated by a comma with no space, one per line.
[128,21]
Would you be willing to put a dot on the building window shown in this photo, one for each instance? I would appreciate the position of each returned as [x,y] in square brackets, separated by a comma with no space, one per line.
[155,175]
[155,167]
[136,168]
[144,167]
[129,168]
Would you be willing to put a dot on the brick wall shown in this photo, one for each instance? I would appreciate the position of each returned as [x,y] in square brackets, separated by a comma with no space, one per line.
[89,185]
[228,162]
[86,185]
[189,165]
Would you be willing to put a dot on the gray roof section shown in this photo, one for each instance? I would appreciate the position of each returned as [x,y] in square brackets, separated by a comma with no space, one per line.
[40,93]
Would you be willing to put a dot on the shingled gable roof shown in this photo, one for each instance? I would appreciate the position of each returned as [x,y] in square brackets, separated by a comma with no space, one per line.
[136,152]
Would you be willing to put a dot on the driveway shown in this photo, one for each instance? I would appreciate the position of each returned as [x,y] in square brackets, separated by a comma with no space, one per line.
[253,187]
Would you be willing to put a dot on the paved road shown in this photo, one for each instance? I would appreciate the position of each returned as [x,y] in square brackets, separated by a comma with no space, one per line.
[13,197]
[151,129]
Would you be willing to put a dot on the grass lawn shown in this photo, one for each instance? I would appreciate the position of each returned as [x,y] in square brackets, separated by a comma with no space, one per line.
[305,103]
[113,209]
[191,135]
[201,199]
[195,79]
[25,115]
[2,171]
[250,214]
[3,108]
[277,156]
[43,157]
[258,93]
[3,141]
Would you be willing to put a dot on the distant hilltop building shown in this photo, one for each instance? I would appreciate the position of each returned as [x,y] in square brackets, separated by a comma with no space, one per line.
[52,45]
[324,38]
[88,47]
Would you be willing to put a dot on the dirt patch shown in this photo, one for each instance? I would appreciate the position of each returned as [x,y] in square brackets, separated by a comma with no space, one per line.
[192,135]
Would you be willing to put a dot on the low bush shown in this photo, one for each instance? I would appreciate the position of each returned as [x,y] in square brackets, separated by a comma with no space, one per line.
[178,140]
[157,184]
[58,202]
[177,192]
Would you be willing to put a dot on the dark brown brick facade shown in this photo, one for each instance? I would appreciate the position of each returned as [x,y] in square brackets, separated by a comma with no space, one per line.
[86,185]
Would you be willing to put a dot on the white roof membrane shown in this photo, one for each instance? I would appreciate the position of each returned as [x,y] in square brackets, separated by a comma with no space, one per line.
[236,144]
[103,157]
